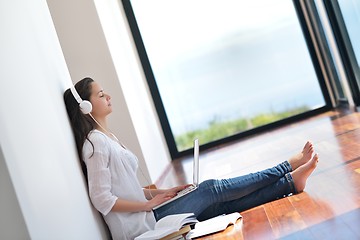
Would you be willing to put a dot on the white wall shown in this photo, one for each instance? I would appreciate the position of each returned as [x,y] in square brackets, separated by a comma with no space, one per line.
[96,42]
[38,163]
[12,224]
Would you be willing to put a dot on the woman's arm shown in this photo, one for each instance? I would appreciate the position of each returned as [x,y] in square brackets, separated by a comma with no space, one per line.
[122,205]
[151,192]
[130,206]
[155,197]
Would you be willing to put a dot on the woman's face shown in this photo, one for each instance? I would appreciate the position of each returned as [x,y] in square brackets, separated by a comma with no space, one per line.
[101,105]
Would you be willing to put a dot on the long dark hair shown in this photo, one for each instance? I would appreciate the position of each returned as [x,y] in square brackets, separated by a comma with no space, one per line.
[81,123]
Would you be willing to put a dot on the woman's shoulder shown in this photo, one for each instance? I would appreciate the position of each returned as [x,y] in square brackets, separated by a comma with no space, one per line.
[96,141]
[96,134]
[97,138]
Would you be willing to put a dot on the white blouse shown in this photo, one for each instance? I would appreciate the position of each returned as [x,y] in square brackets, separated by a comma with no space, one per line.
[111,173]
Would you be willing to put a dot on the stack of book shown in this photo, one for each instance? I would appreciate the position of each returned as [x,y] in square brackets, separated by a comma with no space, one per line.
[186,226]
[170,227]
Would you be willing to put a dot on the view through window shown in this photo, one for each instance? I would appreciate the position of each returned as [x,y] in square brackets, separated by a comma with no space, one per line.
[223,67]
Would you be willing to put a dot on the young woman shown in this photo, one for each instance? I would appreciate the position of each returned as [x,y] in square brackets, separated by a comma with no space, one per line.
[127,207]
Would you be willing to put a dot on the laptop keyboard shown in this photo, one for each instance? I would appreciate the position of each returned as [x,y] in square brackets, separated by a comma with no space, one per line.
[178,195]
[186,190]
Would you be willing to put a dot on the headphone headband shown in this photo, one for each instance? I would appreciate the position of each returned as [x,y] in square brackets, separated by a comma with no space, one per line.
[75,94]
[85,106]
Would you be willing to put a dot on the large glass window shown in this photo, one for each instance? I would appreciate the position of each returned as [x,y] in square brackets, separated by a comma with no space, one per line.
[223,67]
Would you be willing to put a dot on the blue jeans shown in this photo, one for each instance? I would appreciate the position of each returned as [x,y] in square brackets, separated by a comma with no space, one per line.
[215,197]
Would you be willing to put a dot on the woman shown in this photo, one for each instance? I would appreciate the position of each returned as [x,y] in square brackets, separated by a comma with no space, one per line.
[127,208]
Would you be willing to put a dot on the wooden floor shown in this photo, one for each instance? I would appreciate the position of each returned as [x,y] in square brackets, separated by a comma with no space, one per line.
[329,206]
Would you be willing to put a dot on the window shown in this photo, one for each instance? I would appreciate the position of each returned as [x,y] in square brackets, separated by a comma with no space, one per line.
[223,68]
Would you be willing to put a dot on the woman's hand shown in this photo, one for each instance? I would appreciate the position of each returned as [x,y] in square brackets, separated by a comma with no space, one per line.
[166,195]
[173,191]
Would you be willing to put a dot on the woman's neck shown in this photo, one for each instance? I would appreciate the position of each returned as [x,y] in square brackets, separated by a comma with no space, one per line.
[102,127]
[101,124]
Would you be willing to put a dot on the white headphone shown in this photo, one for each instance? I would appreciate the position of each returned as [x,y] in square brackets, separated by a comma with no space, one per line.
[85,106]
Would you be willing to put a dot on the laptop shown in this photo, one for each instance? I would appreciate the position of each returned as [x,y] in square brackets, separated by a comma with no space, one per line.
[195,183]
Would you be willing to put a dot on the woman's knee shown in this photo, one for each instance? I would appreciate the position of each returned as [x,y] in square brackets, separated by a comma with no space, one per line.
[214,190]
[209,183]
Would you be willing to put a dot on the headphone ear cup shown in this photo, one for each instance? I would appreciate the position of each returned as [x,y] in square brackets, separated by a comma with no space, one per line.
[85,107]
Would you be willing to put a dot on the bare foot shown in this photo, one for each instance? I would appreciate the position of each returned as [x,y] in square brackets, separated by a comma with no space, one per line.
[303,157]
[301,174]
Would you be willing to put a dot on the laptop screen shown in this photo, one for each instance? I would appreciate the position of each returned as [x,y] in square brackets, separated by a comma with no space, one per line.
[196,163]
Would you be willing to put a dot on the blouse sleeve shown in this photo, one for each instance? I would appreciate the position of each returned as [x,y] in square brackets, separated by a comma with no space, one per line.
[99,177]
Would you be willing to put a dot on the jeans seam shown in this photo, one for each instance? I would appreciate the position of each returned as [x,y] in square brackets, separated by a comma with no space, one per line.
[288,166]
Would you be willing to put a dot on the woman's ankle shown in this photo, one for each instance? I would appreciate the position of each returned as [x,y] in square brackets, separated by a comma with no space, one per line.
[302,173]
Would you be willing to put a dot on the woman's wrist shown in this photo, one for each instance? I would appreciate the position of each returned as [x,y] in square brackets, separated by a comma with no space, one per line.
[148,206]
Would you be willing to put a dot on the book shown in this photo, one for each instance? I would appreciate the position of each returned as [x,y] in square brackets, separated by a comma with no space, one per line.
[178,234]
[212,225]
[168,225]
[181,237]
